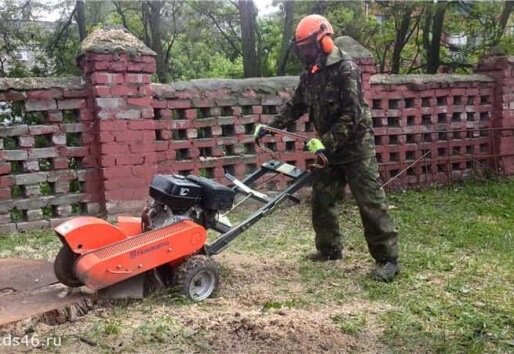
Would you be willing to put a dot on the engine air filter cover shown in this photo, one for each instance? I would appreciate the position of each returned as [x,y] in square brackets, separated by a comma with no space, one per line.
[176,192]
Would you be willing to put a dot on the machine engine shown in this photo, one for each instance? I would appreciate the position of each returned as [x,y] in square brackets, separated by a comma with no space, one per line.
[176,197]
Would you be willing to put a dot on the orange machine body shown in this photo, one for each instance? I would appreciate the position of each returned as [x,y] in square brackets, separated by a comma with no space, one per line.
[85,233]
[130,256]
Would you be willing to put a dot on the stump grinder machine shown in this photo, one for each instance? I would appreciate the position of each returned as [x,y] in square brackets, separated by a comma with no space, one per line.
[167,245]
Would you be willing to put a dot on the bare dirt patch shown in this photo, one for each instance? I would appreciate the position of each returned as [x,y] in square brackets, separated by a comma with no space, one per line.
[260,308]
[291,330]
[238,320]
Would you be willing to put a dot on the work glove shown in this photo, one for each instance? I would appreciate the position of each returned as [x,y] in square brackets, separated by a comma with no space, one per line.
[315,146]
[260,131]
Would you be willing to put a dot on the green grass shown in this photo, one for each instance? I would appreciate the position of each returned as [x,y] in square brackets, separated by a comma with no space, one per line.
[41,244]
[454,294]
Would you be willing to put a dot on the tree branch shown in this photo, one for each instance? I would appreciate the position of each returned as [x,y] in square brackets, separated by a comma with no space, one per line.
[119,10]
[215,22]
[63,30]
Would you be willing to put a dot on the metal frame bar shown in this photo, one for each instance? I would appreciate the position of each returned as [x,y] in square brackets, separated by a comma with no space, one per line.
[229,234]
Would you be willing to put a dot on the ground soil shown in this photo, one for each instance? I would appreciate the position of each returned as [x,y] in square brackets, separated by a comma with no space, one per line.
[242,318]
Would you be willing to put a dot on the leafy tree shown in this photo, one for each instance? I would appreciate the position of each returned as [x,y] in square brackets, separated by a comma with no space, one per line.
[227,38]
[19,33]
[482,25]
[287,11]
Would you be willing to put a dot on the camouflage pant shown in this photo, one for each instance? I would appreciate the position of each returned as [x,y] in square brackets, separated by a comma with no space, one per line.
[363,178]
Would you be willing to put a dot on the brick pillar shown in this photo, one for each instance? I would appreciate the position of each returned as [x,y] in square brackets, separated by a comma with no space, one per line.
[363,58]
[368,68]
[501,69]
[118,70]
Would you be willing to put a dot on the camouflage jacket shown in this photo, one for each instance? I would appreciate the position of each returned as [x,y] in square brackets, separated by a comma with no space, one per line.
[334,101]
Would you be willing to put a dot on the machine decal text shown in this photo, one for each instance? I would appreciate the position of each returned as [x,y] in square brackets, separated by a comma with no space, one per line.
[143,251]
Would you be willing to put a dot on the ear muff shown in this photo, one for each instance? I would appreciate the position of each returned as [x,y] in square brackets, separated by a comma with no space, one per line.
[327,44]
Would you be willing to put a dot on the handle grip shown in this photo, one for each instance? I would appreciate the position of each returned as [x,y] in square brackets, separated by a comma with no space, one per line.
[321,158]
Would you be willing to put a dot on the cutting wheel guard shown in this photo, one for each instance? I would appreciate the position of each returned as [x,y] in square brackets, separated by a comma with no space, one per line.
[322,160]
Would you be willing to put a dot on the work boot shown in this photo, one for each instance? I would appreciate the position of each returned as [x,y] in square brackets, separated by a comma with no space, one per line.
[385,271]
[322,256]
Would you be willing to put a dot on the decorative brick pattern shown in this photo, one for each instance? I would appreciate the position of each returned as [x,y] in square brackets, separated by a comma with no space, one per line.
[435,129]
[211,132]
[48,168]
[501,69]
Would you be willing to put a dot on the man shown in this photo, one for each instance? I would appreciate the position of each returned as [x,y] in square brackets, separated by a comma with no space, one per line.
[330,91]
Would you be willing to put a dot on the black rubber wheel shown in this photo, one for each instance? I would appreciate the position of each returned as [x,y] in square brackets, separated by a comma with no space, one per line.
[197,278]
[63,267]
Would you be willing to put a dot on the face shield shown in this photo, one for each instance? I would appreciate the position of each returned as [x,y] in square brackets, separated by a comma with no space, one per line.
[307,49]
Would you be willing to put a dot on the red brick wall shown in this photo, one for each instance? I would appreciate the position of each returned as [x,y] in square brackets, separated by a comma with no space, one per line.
[434,129]
[205,127]
[48,165]
[91,145]
[501,69]
[122,97]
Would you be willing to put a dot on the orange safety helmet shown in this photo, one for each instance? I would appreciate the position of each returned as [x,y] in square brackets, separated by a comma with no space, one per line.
[313,34]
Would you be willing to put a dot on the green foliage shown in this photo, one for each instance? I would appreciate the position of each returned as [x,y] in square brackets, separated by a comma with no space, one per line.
[75,186]
[74,139]
[46,164]
[47,212]
[76,208]
[45,188]
[16,167]
[351,324]
[481,27]
[270,39]
[202,39]
[10,143]
[16,192]
[110,327]
[11,112]
[194,60]
[74,163]
[42,141]
[158,330]
[16,215]
[277,305]
[33,118]
[70,116]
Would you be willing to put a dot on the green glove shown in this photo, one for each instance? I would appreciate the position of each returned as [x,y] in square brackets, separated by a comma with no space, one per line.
[260,131]
[315,145]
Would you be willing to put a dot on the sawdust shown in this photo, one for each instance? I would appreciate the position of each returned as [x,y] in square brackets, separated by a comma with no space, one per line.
[284,331]
[253,280]
[232,328]
[237,320]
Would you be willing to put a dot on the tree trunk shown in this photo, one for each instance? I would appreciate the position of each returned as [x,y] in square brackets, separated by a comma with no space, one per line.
[320,7]
[80,17]
[153,9]
[433,59]
[287,35]
[247,13]
[504,18]
[399,43]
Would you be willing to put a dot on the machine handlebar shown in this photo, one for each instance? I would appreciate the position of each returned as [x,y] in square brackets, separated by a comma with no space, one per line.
[321,158]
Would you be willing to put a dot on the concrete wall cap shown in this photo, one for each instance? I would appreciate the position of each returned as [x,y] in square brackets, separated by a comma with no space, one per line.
[261,85]
[109,40]
[42,83]
[394,79]
[353,48]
